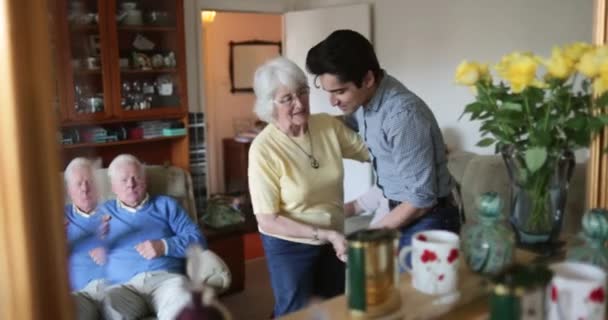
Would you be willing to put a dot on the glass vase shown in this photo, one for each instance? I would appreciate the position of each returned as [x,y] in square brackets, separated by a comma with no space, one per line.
[538,198]
[488,241]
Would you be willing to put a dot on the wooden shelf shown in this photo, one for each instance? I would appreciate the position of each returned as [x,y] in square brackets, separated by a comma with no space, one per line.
[118,143]
[88,122]
[140,71]
[84,28]
[86,72]
[147,28]
[109,38]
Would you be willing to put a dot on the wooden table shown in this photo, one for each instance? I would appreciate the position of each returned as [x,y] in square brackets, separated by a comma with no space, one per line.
[472,293]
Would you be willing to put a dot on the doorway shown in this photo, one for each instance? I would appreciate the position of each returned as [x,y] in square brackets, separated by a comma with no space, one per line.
[226,112]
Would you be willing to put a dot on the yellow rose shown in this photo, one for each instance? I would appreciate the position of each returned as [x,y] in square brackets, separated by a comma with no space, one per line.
[560,66]
[575,51]
[592,61]
[469,73]
[519,69]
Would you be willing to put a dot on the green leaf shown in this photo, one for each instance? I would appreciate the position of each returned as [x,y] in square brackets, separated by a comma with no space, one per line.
[602,101]
[535,158]
[473,108]
[485,142]
[511,106]
[603,118]
[577,123]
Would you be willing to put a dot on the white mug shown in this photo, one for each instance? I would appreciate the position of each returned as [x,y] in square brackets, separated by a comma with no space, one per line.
[435,259]
[577,291]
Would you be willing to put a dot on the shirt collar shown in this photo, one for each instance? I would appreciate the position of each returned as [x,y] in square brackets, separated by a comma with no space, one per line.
[376,101]
[133,209]
[82,213]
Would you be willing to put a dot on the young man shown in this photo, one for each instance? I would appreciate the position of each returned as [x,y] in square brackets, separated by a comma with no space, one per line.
[406,145]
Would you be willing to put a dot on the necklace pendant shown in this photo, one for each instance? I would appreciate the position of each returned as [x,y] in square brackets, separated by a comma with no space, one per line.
[314,163]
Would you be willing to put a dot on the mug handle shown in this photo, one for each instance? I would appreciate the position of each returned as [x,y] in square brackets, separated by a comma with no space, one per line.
[403,253]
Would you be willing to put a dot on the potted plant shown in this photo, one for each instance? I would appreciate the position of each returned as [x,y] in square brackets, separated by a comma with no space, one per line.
[536,115]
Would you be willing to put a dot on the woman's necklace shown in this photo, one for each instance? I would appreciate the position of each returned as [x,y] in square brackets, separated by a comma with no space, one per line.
[314,163]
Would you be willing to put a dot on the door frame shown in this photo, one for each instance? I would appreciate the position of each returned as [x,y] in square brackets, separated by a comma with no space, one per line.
[194,34]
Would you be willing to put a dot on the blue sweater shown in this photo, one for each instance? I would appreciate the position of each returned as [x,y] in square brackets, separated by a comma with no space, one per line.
[161,218]
[82,234]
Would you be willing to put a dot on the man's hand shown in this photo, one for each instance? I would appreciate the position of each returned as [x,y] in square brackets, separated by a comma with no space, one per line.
[151,249]
[105,225]
[98,255]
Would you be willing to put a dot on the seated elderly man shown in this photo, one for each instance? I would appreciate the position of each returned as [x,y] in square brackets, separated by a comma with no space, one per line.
[84,226]
[147,241]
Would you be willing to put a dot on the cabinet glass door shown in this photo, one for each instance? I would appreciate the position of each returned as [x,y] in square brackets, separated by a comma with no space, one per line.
[88,94]
[149,62]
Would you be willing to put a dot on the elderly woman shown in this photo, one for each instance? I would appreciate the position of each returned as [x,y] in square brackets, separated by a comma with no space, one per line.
[295,180]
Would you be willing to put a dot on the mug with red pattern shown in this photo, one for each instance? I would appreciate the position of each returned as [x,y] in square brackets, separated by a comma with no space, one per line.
[577,291]
[434,260]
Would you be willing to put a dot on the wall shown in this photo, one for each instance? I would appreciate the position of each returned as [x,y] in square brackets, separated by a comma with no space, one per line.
[223,107]
[422,41]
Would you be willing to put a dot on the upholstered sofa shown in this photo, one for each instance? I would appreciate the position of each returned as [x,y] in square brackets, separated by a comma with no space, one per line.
[177,183]
[481,173]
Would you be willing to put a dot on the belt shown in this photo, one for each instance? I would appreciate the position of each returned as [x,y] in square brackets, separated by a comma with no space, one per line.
[442,202]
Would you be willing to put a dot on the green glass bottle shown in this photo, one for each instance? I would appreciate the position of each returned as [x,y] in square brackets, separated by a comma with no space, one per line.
[488,241]
[592,249]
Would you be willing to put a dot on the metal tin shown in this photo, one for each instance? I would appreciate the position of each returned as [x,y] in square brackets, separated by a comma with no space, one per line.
[372,273]
[519,292]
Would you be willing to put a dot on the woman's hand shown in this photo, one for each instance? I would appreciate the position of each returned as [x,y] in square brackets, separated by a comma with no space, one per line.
[338,241]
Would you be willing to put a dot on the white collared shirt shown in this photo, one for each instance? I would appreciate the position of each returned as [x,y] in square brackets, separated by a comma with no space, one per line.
[133,209]
[82,213]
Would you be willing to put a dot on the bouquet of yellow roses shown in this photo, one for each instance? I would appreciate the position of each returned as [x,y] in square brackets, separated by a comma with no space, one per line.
[539,109]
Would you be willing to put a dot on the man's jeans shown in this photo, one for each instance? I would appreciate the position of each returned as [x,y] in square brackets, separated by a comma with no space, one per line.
[300,271]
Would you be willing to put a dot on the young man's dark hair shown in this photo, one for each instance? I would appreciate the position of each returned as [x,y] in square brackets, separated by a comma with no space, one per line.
[346,54]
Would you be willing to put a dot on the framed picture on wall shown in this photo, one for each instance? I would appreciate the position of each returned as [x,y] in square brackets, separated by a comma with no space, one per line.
[245,58]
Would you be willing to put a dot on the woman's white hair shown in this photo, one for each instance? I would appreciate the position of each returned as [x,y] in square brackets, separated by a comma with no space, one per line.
[268,78]
[76,163]
[122,159]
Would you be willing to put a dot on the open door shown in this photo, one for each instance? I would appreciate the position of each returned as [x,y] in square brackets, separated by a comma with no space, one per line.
[304,29]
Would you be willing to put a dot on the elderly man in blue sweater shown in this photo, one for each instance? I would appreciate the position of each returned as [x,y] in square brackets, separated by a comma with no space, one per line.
[147,241]
[85,227]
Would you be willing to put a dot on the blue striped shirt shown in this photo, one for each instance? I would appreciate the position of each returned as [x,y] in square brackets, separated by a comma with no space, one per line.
[406,145]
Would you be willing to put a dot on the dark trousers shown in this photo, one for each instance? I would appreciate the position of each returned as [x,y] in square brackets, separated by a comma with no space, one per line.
[444,216]
[299,271]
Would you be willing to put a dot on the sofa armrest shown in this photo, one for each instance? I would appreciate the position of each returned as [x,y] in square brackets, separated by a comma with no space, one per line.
[213,271]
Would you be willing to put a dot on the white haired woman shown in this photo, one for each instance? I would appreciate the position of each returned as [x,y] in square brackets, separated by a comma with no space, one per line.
[295,180]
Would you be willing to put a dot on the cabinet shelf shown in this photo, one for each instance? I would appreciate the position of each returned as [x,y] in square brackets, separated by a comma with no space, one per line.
[147,117]
[147,71]
[118,143]
[110,40]
[85,28]
[85,72]
[143,28]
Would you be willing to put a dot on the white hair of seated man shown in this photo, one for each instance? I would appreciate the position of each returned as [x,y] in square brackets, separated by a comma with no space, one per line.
[79,162]
[268,78]
[121,159]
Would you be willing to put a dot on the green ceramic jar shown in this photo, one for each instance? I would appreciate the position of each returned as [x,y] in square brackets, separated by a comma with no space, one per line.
[592,249]
[488,242]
